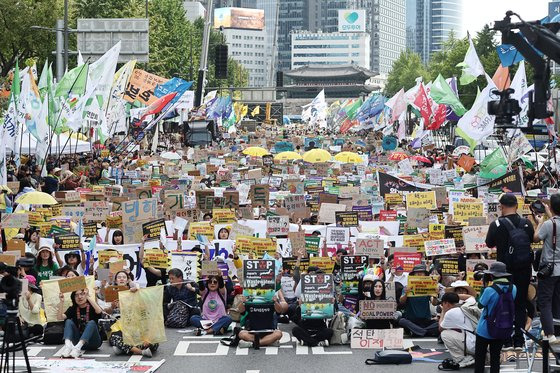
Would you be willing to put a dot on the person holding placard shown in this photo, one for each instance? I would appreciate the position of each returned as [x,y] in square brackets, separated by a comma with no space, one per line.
[81,330]
[30,308]
[45,265]
[179,299]
[214,318]
[372,288]
[153,275]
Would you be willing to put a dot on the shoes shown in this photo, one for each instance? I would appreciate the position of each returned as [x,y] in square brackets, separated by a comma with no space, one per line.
[518,347]
[508,346]
[324,343]
[198,332]
[65,352]
[76,353]
[147,352]
[301,342]
[245,344]
[466,362]
[283,319]
[552,339]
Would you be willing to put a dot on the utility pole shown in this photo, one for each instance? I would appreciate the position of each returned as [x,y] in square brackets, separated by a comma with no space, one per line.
[66,33]
[201,82]
[59,49]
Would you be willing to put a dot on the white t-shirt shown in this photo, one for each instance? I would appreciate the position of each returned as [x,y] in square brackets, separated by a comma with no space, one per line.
[403,279]
[287,283]
[456,319]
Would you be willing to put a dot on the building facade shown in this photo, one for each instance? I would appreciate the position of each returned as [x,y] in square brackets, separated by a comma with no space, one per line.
[193,10]
[429,24]
[330,49]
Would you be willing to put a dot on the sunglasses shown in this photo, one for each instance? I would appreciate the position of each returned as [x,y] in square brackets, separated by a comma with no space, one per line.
[213,282]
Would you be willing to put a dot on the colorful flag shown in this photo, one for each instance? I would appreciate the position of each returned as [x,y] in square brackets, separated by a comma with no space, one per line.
[501,78]
[442,93]
[471,65]
[423,104]
[158,106]
[256,110]
[73,82]
[477,124]
[397,104]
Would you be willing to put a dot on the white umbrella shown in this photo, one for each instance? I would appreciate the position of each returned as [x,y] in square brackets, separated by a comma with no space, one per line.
[171,155]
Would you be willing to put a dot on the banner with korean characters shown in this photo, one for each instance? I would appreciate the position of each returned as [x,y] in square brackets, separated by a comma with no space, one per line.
[474,239]
[440,247]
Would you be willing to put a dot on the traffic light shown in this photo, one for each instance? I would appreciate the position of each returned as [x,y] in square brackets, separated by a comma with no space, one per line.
[279,79]
[221,61]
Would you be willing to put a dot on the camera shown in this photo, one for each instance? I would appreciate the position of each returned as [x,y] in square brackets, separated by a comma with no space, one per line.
[484,277]
[505,108]
[538,207]
[545,271]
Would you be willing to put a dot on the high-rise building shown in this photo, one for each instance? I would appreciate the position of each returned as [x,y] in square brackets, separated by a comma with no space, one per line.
[429,24]
[193,10]
[270,8]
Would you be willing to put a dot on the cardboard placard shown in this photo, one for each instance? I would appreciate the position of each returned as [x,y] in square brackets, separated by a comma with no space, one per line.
[259,195]
[417,217]
[153,229]
[111,292]
[9,259]
[420,200]
[103,256]
[15,220]
[16,244]
[240,230]
[277,226]
[174,200]
[119,265]
[95,210]
[71,284]
[419,286]
[297,241]
[68,241]
[374,248]
[440,247]
[377,309]
[462,211]
[294,202]
[317,296]
[139,210]
[210,268]
[327,212]
[376,338]
[346,218]
[436,231]
[474,239]
[338,236]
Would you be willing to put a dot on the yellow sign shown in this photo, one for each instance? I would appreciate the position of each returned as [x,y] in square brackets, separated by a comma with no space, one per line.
[203,228]
[157,258]
[254,245]
[436,231]
[462,211]
[414,240]
[142,316]
[421,286]
[420,200]
[221,216]
[393,199]
[324,263]
[105,255]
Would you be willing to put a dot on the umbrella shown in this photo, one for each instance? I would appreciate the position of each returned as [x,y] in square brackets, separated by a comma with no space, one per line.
[421,158]
[171,155]
[317,155]
[255,151]
[463,149]
[6,188]
[397,156]
[348,157]
[37,198]
[287,156]
[389,143]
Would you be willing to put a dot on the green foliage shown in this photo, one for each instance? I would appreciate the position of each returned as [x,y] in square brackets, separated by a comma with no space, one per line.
[18,40]
[109,8]
[404,73]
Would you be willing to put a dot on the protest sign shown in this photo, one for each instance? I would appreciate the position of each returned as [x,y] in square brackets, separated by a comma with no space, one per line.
[324,263]
[406,260]
[111,292]
[71,284]
[221,216]
[188,263]
[415,240]
[374,248]
[103,256]
[90,229]
[387,215]
[365,213]
[338,235]
[114,222]
[346,218]
[350,267]
[153,229]
[256,246]
[157,258]
[139,210]
[393,199]
[174,200]
[16,244]
[474,239]
[68,241]
[259,195]
[377,309]
[204,200]
[327,212]
[317,296]
[376,338]
[390,291]
[289,264]
[142,315]
[240,230]
[418,200]
[51,298]
[277,226]
[448,267]
[466,162]
[436,231]
[95,210]
[462,211]
[15,220]
[259,281]
[421,286]
[294,202]
[9,259]
[417,217]
[391,184]
[203,228]
[297,241]
[440,247]
[210,268]
[120,265]
[456,233]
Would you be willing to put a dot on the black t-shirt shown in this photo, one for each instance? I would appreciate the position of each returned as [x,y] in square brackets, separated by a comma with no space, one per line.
[151,279]
[498,235]
[80,318]
[261,316]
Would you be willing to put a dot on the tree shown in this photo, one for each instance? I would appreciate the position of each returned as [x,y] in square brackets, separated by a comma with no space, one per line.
[109,8]
[405,70]
[19,41]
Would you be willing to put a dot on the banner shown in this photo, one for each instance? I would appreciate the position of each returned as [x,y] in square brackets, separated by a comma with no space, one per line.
[141,86]
[376,338]
[259,281]
[317,296]
[142,316]
[377,309]
[188,263]
[391,184]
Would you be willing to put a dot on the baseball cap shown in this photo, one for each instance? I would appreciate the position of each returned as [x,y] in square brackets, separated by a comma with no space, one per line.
[508,199]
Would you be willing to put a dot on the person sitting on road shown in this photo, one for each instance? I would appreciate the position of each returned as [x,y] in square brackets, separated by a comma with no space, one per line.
[214,318]
[457,331]
[371,288]
[179,291]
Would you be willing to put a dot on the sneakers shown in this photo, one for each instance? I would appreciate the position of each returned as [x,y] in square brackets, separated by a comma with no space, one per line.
[508,346]
[552,339]
[65,351]
[324,343]
[245,344]
[198,332]
[76,353]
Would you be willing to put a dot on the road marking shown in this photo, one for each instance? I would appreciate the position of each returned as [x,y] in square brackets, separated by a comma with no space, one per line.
[135,358]
[252,371]
[241,351]
[286,346]
[214,338]
[424,340]
[301,350]
[36,350]
[319,350]
[93,356]
[271,350]
[183,347]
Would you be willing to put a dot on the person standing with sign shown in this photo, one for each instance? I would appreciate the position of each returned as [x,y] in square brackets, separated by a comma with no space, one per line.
[81,330]
[512,235]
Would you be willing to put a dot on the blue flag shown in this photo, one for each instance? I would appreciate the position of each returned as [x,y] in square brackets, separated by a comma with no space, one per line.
[508,54]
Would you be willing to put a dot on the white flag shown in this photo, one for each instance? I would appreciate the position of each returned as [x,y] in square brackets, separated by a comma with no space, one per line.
[471,65]
[42,131]
[118,88]
[397,104]
[477,123]
[521,94]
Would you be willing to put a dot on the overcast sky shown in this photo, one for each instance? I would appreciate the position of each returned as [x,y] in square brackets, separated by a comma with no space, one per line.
[479,12]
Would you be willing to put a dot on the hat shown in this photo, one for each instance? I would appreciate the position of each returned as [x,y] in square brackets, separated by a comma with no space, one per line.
[44,248]
[498,269]
[420,268]
[56,169]
[370,275]
[508,199]
[460,284]
[75,253]
[31,279]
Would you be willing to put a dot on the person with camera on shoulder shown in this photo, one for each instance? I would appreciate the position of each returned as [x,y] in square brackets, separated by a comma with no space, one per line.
[548,288]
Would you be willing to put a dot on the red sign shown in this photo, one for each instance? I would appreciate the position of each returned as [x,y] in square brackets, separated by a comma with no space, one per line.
[387,215]
[407,260]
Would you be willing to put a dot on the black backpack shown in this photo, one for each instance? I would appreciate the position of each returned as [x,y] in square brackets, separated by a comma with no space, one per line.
[390,357]
[519,252]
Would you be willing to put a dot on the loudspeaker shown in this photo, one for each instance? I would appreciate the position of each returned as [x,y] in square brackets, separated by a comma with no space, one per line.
[221,61]
[279,79]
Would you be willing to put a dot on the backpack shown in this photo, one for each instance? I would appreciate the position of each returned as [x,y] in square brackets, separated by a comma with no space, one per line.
[471,311]
[338,325]
[519,252]
[500,320]
[178,316]
[390,357]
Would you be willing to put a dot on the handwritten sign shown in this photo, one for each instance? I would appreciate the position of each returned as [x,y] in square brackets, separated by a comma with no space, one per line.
[376,338]
[374,248]
[421,286]
[105,255]
[462,211]
[327,212]
[426,200]
[417,217]
[71,284]
[294,202]
[9,259]
[277,226]
[440,247]
[346,218]
[111,292]
[95,210]
[474,238]
[377,309]
[139,210]
[259,195]
[15,220]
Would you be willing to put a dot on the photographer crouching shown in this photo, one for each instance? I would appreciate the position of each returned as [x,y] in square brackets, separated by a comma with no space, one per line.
[549,268]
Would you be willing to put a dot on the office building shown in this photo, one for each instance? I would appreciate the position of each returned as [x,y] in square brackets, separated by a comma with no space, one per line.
[429,24]
[193,10]
[337,48]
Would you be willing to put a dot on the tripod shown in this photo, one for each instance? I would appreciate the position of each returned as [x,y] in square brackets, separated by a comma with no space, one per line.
[18,341]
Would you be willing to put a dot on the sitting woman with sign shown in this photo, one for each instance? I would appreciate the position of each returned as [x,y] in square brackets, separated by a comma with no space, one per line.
[81,330]
[45,266]
[214,318]
[372,289]
[153,275]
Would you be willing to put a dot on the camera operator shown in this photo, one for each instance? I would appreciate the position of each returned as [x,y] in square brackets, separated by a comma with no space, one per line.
[549,268]
[512,235]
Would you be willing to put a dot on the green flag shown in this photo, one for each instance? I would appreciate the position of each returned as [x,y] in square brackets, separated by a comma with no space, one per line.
[16,84]
[73,81]
[493,164]
[442,93]
[43,80]
[52,114]
[352,110]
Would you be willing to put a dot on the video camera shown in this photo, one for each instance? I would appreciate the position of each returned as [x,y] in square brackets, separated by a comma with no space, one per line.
[10,284]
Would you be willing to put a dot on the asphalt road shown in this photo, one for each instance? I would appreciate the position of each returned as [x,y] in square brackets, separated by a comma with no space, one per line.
[184,352]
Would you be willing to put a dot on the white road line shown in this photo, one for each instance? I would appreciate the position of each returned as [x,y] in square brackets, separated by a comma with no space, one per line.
[271,350]
[93,356]
[301,350]
[135,358]
[423,340]
[183,347]
[252,371]
[286,346]
[36,350]
[214,338]
[241,351]
[319,350]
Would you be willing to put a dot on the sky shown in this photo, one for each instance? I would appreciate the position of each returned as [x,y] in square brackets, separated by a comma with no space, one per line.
[479,12]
